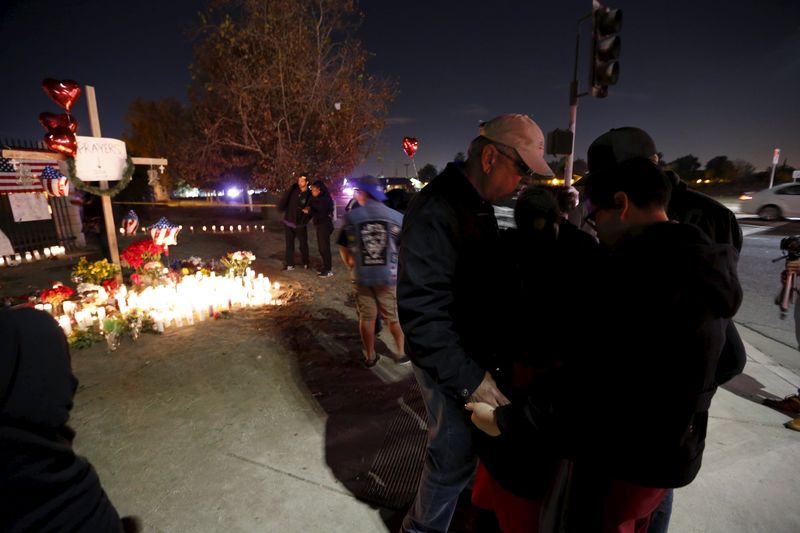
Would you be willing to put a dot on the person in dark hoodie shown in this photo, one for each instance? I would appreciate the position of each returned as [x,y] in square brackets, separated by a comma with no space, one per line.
[513,477]
[44,486]
[690,207]
[295,220]
[661,298]
[320,209]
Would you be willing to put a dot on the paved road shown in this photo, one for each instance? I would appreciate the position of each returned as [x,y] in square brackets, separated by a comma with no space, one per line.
[760,278]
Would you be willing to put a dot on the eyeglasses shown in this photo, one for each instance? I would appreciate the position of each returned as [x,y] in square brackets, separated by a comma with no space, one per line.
[591,218]
[522,168]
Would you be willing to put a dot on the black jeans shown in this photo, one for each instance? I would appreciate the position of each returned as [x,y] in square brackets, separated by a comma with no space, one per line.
[324,232]
[301,232]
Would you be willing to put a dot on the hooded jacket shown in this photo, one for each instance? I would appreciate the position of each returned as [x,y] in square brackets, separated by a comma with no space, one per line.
[634,400]
[44,486]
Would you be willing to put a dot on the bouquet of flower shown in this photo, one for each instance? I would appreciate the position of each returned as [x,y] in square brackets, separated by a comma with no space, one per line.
[142,253]
[57,294]
[189,266]
[237,262]
[95,272]
[145,258]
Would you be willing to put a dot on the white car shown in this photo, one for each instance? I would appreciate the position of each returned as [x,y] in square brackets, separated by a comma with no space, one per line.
[782,201]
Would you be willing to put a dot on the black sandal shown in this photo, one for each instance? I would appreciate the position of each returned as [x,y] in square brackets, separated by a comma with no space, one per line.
[369,363]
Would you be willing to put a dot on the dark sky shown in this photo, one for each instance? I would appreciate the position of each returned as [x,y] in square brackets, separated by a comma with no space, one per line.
[707,77]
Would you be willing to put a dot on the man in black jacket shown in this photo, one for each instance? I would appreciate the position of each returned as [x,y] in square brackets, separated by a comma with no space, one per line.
[295,220]
[448,296]
[690,207]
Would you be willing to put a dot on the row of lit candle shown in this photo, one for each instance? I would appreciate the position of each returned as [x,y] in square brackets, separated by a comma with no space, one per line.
[221,228]
[214,229]
[30,257]
[197,297]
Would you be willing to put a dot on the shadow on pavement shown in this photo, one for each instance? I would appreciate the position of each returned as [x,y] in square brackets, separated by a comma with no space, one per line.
[375,428]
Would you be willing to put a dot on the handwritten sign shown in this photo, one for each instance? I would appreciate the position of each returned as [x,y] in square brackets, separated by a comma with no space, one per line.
[29,206]
[100,159]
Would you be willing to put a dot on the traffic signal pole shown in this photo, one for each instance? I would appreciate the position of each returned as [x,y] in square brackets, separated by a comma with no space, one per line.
[573,105]
[604,67]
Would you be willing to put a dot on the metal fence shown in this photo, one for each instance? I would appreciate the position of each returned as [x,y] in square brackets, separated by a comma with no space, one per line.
[38,234]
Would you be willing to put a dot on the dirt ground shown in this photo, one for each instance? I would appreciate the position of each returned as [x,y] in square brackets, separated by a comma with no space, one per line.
[140,411]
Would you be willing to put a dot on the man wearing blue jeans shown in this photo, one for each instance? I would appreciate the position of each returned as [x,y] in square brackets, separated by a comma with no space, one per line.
[448,296]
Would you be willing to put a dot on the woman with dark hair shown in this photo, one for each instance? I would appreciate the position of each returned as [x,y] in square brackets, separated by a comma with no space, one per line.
[44,486]
[321,211]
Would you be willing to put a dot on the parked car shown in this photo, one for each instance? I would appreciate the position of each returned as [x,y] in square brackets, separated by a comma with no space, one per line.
[778,202]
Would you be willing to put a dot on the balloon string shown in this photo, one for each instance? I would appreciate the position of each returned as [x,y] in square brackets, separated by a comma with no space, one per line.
[416,173]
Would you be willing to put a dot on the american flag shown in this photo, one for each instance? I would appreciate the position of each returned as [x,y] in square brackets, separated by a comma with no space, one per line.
[164,233]
[21,175]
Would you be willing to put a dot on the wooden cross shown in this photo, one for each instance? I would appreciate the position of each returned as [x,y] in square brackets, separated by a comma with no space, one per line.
[108,215]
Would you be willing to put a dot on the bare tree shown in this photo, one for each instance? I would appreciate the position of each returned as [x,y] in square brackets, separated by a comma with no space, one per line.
[280,87]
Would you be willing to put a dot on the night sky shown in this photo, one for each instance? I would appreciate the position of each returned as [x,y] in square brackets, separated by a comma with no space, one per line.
[706,77]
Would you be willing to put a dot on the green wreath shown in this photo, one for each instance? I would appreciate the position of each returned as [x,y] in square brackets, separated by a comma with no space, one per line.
[113,191]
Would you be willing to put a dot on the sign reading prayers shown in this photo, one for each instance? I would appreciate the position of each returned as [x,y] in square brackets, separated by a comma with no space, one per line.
[100,159]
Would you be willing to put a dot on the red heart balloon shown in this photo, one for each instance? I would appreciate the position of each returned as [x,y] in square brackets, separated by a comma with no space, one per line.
[62,140]
[51,121]
[63,92]
[410,145]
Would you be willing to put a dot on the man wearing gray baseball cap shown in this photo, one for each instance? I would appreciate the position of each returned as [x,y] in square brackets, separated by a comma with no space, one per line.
[449,283]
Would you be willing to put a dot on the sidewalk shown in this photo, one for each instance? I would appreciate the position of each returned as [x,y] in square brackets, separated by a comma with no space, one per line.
[750,479]
[268,421]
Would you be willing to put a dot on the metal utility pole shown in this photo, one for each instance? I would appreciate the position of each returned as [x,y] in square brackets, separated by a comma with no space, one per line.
[573,104]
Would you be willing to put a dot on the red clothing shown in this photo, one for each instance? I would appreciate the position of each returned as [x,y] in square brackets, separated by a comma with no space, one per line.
[626,507]
[514,513]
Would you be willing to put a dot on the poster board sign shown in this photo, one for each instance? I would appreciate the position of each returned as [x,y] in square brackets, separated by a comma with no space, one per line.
[796,175]
[5,245]
[29,206]
[99,159]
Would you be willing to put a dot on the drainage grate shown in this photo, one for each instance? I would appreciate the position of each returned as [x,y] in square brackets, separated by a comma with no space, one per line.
[394,475]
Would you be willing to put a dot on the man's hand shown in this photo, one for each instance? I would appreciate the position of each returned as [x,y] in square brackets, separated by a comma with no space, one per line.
[483,417]
[487,392]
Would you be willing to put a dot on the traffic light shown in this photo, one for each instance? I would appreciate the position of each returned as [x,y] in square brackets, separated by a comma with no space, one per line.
[606,23]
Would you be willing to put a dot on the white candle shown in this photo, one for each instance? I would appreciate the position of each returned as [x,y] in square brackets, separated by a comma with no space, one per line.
[37,255]
[39,307]
[239,227]
[65,324]
[213,228]
[48,308]
[47,252]
[69,307]
[191,228]
[101,313]
[2,261]
[28,257]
